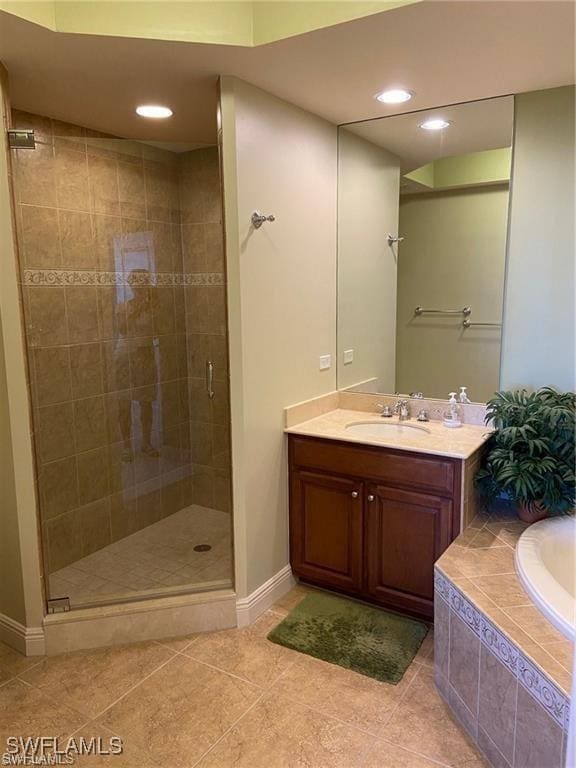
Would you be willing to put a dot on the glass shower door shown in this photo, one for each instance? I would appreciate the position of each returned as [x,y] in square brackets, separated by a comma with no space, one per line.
[123,288]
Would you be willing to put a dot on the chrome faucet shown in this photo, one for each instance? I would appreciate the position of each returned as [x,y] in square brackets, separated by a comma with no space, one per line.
[401,410]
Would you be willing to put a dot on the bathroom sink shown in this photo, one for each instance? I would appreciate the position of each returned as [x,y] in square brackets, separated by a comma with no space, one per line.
[386,429]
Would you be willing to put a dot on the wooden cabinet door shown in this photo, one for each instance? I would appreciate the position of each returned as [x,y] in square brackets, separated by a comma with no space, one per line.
[326,522]
[406,532]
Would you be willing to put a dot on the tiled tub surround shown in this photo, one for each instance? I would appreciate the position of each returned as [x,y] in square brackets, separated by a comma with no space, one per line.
[122,271]
[503,669]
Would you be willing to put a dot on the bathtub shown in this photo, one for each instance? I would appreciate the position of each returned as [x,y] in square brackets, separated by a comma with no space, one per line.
[546,566]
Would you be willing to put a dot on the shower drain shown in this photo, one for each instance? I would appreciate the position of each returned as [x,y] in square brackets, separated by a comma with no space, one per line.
[202,548]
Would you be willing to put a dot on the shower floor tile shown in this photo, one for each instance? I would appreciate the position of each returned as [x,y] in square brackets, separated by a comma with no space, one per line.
[159,558]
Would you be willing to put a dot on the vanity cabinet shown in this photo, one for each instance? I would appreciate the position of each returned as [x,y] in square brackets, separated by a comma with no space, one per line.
[327,529]
[370,521]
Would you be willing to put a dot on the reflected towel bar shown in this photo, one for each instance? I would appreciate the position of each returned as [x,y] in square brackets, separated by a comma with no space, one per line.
[468,324]
[422,311]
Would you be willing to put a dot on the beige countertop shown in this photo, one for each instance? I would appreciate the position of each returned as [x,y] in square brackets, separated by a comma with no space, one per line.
[438,440]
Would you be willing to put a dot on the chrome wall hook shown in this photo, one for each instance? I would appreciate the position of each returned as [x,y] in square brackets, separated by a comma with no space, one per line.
[258,219]
[391,239]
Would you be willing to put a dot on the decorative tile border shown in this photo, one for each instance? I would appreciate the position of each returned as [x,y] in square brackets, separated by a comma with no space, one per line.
[538,685]
[465,611]
[442,586]
[58,277]
[500,646]
[544,691]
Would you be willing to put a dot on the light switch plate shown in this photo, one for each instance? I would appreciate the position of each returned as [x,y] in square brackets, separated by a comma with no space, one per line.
[325,362]
[348,356]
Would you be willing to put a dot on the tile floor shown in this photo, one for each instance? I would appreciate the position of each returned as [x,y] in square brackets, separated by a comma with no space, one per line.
[232,699]
[154,559]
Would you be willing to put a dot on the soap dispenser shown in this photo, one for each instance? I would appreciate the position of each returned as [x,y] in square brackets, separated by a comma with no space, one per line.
[453,414]
[463,397]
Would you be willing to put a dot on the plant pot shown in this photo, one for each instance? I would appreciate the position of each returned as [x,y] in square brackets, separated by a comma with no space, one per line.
[531,513]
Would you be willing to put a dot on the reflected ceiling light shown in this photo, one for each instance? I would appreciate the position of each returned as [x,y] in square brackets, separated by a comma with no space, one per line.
[153,110]
[434,124]
[394,96]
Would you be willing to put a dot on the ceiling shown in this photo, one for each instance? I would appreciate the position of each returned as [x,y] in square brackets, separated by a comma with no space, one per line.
[474,127]
[447,52]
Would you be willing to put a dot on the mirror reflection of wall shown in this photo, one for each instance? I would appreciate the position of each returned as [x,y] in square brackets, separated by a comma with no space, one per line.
[445,191]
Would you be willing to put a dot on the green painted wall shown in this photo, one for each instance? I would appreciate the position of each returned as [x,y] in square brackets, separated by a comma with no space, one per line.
[423,175]
[489,167]
[39,12]
[228,23]
[224,22]
[453,255]
[368,198]
[278,20]
[539,308]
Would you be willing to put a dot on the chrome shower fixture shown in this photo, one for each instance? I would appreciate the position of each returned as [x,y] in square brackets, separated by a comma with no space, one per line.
[21,139]
[258,219]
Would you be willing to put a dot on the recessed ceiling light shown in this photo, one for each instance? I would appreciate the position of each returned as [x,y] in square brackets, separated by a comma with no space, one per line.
[394,96]
[153,110]
[434,124]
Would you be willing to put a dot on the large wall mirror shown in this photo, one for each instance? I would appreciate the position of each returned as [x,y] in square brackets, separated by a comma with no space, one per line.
[422,226]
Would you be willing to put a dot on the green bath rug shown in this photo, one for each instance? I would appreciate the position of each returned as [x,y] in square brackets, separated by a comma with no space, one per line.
[367,640]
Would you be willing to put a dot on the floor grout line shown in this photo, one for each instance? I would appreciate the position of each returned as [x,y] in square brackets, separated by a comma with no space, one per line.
[346,723]
[270,688]
[277,612]
[228,730]
[81,728]
[132,688]
[218,669]
[413,752]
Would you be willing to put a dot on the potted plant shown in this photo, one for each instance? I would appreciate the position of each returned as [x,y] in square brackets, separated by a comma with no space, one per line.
[530,456]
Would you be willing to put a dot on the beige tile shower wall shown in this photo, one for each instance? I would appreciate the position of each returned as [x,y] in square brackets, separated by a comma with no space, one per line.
[203,252]
[102,367]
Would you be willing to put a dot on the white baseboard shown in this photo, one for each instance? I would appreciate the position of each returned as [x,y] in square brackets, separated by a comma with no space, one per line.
[27,640]
[248,609]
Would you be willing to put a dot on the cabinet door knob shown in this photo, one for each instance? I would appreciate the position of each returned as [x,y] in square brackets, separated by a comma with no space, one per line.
[371,497]
[354,494]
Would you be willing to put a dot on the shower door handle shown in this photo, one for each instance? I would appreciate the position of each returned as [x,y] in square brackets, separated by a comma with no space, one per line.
[210,379]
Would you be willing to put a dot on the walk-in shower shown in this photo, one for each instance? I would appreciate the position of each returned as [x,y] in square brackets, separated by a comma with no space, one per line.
[123,290]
